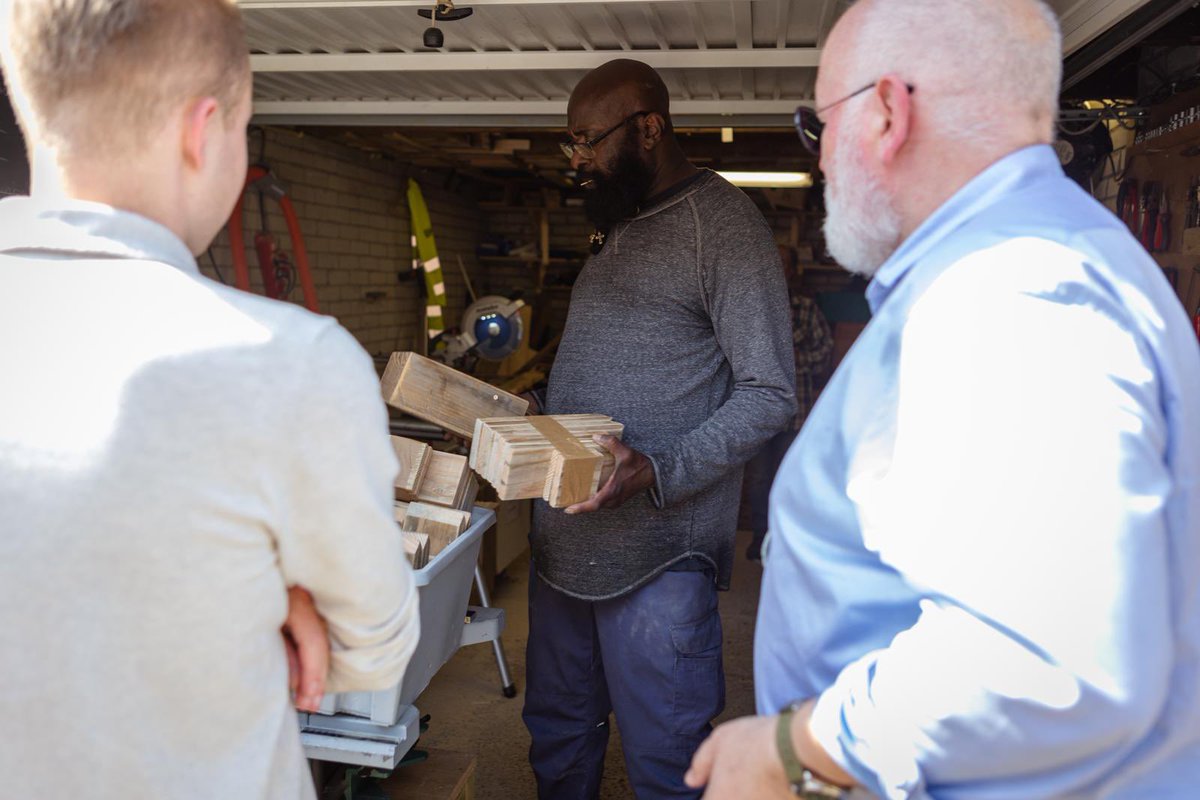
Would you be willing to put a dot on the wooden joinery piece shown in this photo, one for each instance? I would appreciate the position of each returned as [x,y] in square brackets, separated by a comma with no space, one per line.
[444,396]
[416,548]
[414,459]
[551,457]
[442,525]
[446,480]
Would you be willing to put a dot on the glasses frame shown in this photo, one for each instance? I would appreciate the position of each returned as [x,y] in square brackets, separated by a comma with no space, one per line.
[809,126]
[587,150]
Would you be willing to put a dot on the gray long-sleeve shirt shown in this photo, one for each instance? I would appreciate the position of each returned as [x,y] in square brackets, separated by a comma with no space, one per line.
[679,328]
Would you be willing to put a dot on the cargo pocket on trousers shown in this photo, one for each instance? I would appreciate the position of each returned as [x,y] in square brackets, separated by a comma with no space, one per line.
[699,677]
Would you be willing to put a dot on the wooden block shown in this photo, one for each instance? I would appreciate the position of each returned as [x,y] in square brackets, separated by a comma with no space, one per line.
[549,457]
[416,547]
[445,775]
[471,493]
[573,479]
[414,459]
[444,396]
[400,511]
[442,525]
[446,480]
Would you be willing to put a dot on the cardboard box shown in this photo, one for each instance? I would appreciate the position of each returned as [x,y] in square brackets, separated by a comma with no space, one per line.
[504,542]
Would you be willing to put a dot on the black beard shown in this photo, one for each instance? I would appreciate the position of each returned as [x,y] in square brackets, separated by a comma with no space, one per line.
[619,194]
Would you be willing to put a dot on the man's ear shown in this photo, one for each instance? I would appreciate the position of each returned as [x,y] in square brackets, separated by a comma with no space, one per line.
[895,101]
[653,128]
[199,115]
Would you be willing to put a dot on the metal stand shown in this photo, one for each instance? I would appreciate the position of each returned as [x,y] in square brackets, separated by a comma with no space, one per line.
[506,682]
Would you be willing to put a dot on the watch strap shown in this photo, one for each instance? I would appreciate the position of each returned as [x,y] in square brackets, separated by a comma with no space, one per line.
[796,774]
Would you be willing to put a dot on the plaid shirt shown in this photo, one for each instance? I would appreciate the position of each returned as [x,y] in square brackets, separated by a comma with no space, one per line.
[813,346]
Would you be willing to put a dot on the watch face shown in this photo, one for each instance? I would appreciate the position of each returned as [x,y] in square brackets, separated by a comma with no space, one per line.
[813,788]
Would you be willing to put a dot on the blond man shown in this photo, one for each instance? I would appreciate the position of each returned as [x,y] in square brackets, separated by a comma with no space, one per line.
[174,455]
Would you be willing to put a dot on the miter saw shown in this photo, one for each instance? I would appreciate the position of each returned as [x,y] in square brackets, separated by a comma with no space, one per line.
[491,327]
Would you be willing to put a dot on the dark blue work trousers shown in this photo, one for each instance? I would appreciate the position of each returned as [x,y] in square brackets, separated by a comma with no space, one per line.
[652,657]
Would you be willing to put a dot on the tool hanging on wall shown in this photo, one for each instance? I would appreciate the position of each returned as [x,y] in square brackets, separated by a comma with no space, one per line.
[1127,203]
[1162,226]
[425,257]
[1148,215]
[1192,219]
[278,271]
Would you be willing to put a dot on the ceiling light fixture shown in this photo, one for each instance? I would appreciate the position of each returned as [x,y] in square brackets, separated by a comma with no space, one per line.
[445,11]
[768,180]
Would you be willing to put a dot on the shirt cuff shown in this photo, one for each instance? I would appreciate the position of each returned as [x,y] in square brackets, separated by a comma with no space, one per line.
[655,491]
[830,730]
[825,723]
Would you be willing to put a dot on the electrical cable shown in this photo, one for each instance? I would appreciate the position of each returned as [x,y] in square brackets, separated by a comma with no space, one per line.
[1085,130]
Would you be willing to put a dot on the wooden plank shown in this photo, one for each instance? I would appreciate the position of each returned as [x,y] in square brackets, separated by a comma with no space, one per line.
[399,512]
[444,396]
[442,525]
[414,459]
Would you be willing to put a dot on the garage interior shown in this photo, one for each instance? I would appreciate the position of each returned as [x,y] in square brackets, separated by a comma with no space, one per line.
[350,106]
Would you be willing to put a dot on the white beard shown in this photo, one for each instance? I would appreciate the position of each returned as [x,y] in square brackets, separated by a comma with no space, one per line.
[862,226]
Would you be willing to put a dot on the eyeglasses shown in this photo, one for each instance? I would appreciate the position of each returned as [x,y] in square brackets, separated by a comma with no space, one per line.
[586,150]
[808,120]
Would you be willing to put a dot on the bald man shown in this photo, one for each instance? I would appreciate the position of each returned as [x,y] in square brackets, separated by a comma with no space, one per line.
[981,579]
[679,328]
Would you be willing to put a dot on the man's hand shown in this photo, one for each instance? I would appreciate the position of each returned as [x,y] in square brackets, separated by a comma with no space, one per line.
[632,474]
[307,645]
[739,760]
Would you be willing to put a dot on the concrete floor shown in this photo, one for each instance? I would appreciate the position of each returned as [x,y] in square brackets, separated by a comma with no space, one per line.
[470,715]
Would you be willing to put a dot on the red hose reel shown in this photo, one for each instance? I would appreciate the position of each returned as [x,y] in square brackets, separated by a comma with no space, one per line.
[276,267]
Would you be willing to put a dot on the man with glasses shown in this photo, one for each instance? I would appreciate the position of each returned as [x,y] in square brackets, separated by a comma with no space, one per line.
[981,577]
[678,328]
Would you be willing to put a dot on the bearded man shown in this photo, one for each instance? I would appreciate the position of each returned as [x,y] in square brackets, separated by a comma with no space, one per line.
[991,521]
[679,328]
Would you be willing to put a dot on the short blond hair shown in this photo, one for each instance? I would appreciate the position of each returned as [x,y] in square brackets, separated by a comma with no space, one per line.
[102,76]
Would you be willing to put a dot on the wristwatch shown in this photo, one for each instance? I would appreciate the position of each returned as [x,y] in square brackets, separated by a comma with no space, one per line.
[803,782]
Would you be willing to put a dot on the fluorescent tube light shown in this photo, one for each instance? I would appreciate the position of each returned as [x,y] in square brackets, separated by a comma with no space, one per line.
[769,180]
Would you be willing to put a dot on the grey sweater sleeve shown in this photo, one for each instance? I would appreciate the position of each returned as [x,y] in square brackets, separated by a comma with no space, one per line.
[746,297]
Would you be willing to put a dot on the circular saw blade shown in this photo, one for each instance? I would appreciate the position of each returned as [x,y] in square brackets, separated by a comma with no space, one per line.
[498,336]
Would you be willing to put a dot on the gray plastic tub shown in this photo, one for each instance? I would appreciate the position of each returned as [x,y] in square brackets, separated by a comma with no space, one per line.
[444,587]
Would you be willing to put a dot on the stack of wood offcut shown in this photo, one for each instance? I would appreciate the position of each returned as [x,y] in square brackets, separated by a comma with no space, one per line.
[435,490]
[552,457]
[434,495]
[431,476]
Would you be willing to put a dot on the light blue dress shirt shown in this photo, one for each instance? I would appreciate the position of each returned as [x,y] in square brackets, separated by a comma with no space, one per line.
[985,543]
